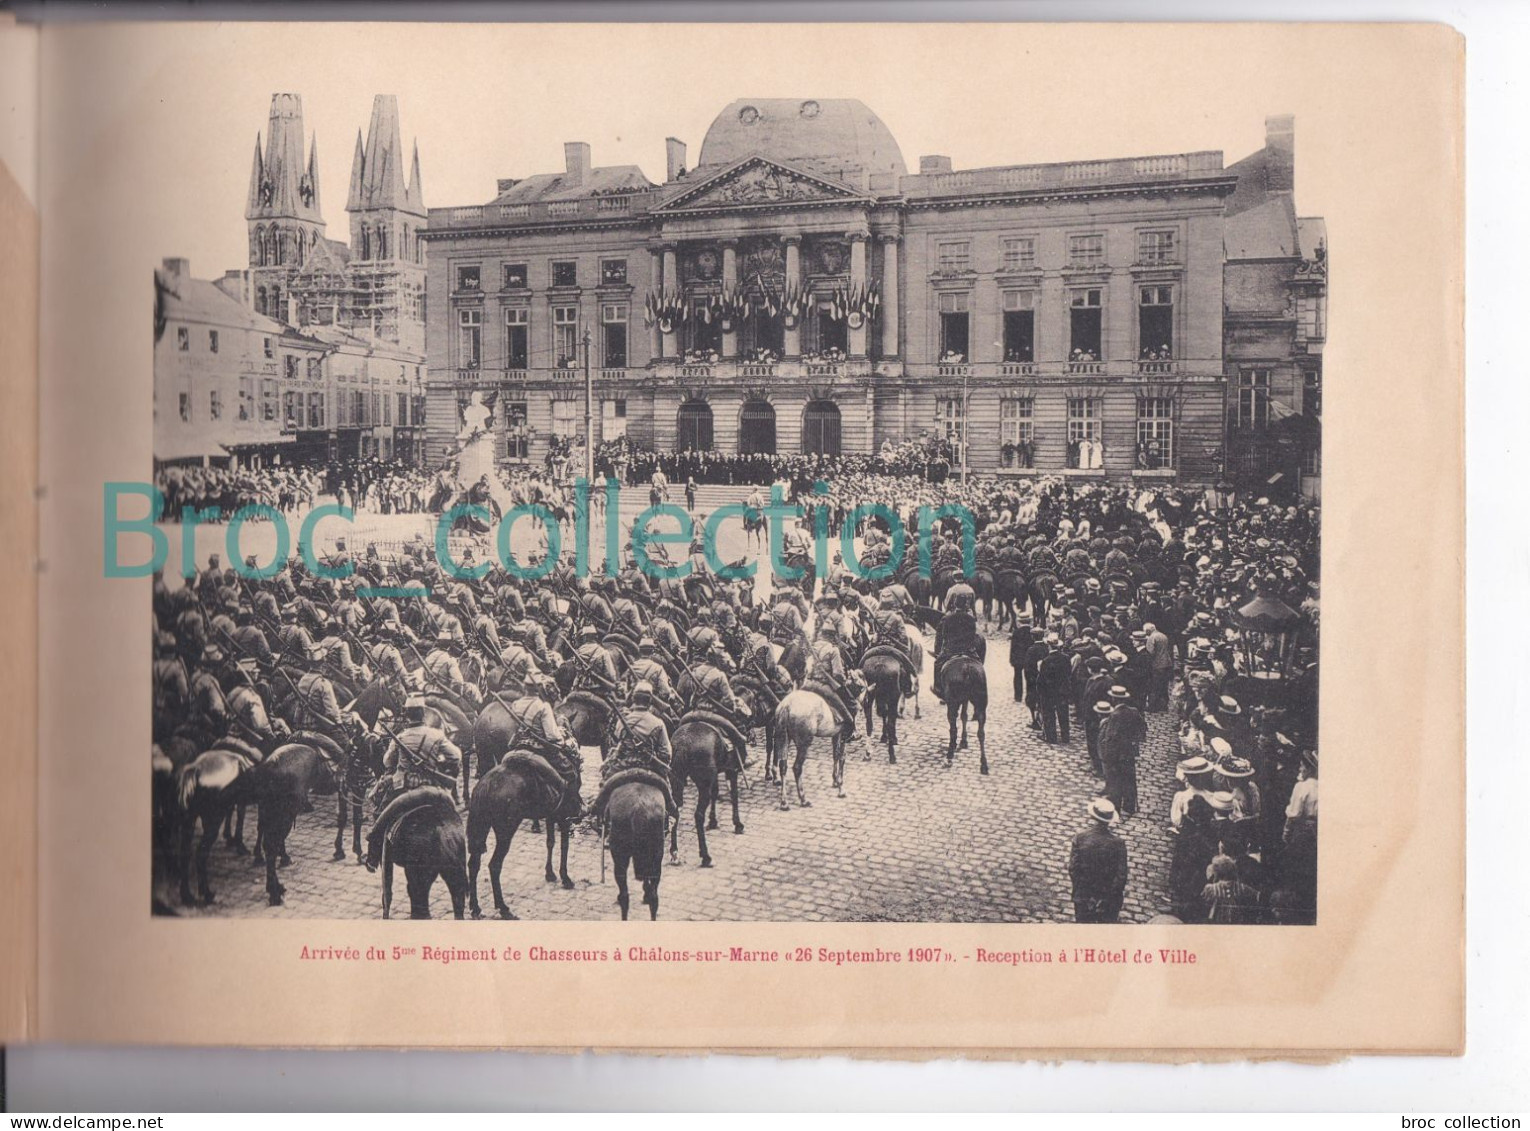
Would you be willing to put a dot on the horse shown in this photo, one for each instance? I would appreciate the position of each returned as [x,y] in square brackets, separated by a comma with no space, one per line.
[635,817]
[421,831]
[793,657]
[801,717]
[966,685]
[521,787]
[588,718]
[755,527]
[207,789]
[304,763]
[885,671]
[1009,588]
[983,587]
[700,752]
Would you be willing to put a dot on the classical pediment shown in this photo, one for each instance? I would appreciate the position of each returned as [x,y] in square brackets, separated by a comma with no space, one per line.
[757,181]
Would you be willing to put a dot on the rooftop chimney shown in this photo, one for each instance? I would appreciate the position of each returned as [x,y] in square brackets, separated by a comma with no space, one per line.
[180,268]
[674,159]
[576,155]
[506,184]
[934,163]
[1280,144]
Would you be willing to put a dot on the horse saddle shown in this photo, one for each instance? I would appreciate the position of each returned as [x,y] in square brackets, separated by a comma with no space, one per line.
[396,812]
[539,769]
[629,776]
[895,652]
[724,727]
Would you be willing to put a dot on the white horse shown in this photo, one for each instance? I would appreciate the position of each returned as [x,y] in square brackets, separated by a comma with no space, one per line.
[801,717]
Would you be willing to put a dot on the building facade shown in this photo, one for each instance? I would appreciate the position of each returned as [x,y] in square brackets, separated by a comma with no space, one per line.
[315,350]
[799,290]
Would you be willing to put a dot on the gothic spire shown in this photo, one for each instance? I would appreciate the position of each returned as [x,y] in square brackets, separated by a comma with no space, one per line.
[285,188]
[416,196]
[313,172]
[257,175]
[353,201]
[380,183]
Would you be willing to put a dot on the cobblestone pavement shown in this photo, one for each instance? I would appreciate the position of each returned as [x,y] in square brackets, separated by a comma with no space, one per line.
[915,841]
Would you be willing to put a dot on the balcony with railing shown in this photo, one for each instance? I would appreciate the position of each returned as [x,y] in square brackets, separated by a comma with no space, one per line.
[1084,368]
[1200,165]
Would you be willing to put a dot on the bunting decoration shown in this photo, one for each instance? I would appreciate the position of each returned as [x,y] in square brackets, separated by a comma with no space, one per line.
[667,308]
[855,305]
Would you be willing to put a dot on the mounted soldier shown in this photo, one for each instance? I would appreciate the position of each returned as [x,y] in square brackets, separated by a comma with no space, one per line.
[418,755]
[706,688]
[647,669]
[528,697]
[595,669]
[445,669]
[957,635]
[826,675]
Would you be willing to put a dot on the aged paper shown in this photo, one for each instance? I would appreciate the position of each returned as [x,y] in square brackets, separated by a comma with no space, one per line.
[1381,969]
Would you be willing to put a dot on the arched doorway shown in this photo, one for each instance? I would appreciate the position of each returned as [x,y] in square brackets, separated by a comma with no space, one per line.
[820,428]
[757,429]
[693,427]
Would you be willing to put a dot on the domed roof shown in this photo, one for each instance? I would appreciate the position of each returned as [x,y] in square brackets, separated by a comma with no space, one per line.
[825,134]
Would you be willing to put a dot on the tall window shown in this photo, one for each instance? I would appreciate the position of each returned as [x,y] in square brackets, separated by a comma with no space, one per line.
[565,273]
[290,366]
[1155,432]
[1017,432]
[214,404]
[951,420]
[212,341]
[613,418]
[403,408]
[705,331]
[564,419]
[954,258]
[515,277]
[1312,394]
[1086,251]
[183,338]
[693,427]
[954,326]
[565,336]
[387,409]
[517,337]
[1083,431]
[516,440]
[613,331]
[1254,398]
[469,277]
[1019,326]
[1155,323]
[1084,324]
[469,338]
[268,389]
[1156,247]
[265,345]
[314,369]
[185,407]
[290,403]
[316,410]
[246,398]
[1018,253]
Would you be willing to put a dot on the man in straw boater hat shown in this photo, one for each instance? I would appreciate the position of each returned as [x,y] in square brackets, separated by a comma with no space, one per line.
[1097,867]
[1122,733]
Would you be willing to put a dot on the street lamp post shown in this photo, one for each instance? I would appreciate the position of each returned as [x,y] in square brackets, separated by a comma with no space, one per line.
[966,405]
[589,402]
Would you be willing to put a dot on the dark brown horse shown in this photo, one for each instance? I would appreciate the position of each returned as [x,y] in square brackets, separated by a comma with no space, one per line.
[306,763]
[886,673]
[522,787]
[207,789]
[588,719]
[421,831]
[635,816]
[700,753]
[966,686]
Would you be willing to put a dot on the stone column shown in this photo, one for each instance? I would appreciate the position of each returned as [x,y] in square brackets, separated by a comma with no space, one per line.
[889,296]
[671,285]
[793,335]
[730,281]
[656,284]
[857,338]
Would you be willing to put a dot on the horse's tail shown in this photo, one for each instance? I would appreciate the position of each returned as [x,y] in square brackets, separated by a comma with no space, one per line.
[186,787]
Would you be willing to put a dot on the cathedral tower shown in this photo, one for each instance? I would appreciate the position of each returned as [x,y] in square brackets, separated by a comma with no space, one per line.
[283,212]
[386,216]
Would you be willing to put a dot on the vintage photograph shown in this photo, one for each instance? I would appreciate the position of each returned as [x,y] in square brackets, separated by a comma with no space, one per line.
[789,527]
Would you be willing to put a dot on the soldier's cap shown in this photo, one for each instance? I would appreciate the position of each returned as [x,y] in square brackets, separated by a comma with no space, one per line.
[1192,766]
[212,654]
[1119,693]
[289,614]
[646,643]
[1103,811]
[248,665]
[415,702]
[643,690]
[589,632]
[1232,767]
